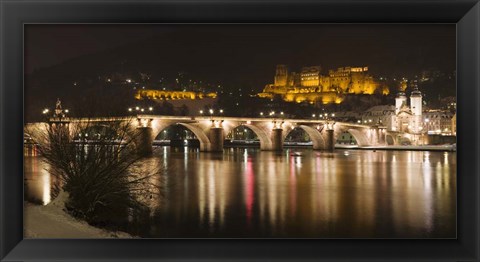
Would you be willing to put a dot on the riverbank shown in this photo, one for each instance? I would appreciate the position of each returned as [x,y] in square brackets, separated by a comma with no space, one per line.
[51,221]
[409,148]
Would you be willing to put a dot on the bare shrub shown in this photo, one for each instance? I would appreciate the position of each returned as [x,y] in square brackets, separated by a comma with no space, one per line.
[97,165]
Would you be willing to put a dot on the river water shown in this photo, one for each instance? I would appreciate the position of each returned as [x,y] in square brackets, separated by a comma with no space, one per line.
[298,193]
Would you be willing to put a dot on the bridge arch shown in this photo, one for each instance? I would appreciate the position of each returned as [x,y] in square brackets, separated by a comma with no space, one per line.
[265,140]
[317,139]
[197,131]
[390,139]
[360,137]
[201,136]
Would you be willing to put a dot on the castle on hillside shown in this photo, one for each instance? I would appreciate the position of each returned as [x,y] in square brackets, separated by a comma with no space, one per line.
[311,86]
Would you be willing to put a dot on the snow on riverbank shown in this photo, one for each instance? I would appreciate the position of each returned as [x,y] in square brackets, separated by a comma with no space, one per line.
[51,221]
[410,148]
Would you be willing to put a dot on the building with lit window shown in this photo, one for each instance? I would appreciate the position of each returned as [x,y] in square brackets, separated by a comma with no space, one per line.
[439,122]
[378,115]
[454,124]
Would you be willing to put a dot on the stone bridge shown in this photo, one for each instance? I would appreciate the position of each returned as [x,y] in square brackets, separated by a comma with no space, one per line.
[211,131]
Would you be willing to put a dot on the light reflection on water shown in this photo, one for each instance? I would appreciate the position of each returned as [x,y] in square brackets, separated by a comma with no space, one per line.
[296,193]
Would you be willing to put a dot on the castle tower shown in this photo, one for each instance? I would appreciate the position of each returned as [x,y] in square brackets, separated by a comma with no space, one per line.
[281,75]
[416,102]
[400,100]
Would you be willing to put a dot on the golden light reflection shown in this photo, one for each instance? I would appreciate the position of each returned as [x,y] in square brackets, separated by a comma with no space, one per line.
[303,192]
[46,188]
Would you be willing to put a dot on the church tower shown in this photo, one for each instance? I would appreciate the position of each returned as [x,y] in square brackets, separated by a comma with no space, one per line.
[400,100]
[416,102]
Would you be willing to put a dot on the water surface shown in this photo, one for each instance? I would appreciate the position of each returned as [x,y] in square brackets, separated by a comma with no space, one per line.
[295,193]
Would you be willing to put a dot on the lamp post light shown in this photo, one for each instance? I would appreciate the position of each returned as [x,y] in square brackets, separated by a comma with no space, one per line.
[201,112]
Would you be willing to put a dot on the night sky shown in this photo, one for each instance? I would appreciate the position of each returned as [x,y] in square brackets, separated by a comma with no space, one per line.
[69,61]
[234,51]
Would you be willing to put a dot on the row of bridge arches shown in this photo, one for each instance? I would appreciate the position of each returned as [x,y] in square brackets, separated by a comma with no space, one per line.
[183,133]
[207,138]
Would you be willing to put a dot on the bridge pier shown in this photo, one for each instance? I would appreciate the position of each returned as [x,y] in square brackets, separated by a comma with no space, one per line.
[144,140]
[330,143]
[216,139]
[277,139]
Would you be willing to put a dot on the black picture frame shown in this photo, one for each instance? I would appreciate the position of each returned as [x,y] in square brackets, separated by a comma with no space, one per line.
[13,15]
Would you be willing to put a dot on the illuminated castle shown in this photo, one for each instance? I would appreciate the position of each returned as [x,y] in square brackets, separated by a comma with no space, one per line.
[171,95]
[311,86]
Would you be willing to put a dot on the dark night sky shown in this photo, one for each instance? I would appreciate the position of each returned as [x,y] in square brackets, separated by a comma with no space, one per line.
[385,48]
[47,45]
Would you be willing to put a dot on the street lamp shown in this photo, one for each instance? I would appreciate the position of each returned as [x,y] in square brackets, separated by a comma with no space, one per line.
[261,113]
[201,112]
[210,111]
[150,108]
[130,109]
[221,111]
